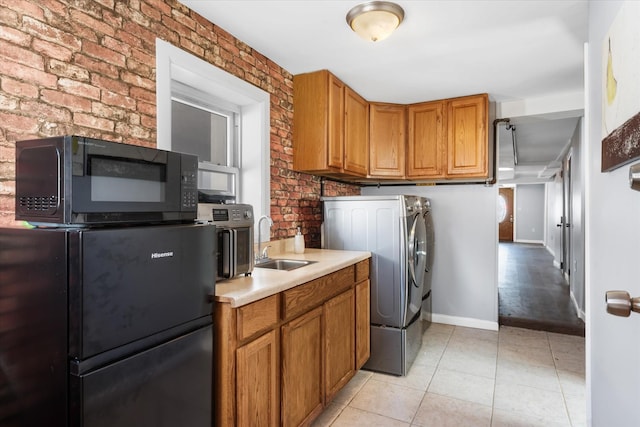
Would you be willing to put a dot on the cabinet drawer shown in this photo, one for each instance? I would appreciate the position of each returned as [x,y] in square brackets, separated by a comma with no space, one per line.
[258,316]
[362,270]
[304,297]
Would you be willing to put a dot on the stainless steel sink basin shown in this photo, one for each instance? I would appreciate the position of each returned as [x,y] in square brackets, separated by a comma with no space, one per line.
[283,264]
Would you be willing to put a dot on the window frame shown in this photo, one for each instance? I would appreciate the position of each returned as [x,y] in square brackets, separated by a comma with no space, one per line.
[176,65]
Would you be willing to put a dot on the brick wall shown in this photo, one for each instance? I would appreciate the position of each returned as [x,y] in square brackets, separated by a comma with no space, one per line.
[87,67]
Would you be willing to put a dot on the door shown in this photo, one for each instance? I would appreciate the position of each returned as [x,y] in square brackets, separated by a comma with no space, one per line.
[566,224]
[417,260]
[339,342]
[164,273]
[302,380]
[428,222]
[387,130]
[505,214]
[160,387]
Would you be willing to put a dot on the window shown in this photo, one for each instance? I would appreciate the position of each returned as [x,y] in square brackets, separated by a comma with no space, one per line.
[215,106]
[200,126]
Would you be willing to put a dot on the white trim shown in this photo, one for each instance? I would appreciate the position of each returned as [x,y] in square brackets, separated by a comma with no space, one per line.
[537,242]
[176,64]
[580,312]
[464,321]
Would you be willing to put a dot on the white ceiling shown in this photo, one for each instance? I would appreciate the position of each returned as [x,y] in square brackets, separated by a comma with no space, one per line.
[527,55]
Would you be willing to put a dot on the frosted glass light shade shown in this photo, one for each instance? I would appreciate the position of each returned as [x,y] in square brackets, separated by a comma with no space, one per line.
[375,20]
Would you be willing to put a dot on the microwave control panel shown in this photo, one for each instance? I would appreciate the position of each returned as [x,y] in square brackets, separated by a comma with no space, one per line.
[231,216]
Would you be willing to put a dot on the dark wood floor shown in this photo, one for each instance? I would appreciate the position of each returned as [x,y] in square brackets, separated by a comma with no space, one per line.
[532,292]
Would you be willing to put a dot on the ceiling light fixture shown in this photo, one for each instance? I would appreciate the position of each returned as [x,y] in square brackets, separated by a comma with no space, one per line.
[375,20]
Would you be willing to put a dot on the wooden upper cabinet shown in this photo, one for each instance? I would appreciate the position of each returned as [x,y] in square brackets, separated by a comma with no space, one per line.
[336,123]
[467,137]
[318,122]
[356,134]
[330,126]
[387,138]
[337,133]
[426,144]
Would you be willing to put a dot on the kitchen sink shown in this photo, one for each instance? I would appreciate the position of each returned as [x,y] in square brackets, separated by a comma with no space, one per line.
[283,264]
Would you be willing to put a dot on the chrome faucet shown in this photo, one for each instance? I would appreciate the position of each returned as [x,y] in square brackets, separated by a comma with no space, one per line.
[262,253]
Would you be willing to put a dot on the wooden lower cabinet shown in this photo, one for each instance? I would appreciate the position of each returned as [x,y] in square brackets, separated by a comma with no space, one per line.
[339,342]
[280,360]
[302,392]
[257,382]
[363,321]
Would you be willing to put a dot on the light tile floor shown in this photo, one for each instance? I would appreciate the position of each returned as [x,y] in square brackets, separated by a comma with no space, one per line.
[472,377]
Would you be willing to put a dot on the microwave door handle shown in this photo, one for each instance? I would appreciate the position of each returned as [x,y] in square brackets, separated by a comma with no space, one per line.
[233,249]
[225,265]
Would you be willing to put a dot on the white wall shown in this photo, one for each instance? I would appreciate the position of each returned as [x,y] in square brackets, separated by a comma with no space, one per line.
[530,213]
[465,279]
[613,233]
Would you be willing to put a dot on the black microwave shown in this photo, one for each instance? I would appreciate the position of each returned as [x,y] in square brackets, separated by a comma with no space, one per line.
[79,181]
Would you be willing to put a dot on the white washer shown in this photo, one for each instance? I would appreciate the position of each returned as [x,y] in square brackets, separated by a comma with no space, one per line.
[393,229]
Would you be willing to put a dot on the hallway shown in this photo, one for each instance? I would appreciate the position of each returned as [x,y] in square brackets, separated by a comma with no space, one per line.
[532,293]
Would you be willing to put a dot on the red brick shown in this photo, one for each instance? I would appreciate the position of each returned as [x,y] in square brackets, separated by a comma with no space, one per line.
[92,64]
[15,36]
[41,109]
[74,87]
[110,84]
[111,98]
[26,7]
[19,124]
[94,22]
[116,45]
[104,54]
[72,102]
[52,50]
[20,55]
[47,32]
[54,6]
[90,121]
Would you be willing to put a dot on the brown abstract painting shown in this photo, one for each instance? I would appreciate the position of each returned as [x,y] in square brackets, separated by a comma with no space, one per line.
[621,89]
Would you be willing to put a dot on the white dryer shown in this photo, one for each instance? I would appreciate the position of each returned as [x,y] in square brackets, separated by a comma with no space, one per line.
[393,229]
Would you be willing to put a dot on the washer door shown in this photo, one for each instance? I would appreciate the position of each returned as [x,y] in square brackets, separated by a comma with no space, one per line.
[417,259]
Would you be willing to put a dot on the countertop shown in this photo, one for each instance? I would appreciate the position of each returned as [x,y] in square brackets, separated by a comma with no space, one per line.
[265,282]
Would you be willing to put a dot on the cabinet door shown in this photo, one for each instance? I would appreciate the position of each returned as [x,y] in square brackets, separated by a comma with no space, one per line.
[363,331]
[257,382]
[467,137]
[336,122]
[387,140]
[318,122]
[426,141]
[301,383]
[356,131]
[339,344]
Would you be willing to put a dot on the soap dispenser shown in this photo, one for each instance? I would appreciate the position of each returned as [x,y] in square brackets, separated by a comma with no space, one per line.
[298,242]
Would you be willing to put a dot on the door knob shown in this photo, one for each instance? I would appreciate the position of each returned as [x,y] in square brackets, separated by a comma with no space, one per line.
[620,303]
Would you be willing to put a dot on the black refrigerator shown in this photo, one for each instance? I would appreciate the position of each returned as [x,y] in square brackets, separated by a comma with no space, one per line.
[106,326]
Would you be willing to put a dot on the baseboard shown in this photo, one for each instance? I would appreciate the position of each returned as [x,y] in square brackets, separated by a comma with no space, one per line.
[464,321]
[548,248]
[556,264]
[537,242]
[580,312]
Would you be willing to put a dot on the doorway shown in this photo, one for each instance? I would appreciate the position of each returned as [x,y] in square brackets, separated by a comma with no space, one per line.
[533,291]
[505,214]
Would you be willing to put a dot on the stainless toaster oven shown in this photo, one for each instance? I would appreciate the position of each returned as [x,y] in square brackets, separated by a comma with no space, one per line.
[234,231]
